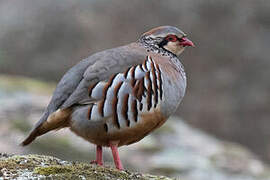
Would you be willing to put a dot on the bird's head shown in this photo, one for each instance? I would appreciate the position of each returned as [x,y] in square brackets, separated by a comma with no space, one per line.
[169,38]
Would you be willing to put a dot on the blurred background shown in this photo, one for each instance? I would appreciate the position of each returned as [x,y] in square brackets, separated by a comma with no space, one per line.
[228,94]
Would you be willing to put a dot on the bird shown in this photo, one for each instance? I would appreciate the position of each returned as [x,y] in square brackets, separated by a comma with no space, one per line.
[118,96]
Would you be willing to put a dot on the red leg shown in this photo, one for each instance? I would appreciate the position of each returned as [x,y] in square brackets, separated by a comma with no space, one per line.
[98,156]
[116,157]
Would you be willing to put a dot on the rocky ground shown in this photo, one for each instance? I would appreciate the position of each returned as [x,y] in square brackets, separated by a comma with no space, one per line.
[47,167]
[175,150]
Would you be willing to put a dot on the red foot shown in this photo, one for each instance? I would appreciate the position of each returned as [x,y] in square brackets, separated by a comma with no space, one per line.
[116,157]
[98,161]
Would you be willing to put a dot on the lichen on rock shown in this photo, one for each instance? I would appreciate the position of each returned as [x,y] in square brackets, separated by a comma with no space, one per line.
[42,167]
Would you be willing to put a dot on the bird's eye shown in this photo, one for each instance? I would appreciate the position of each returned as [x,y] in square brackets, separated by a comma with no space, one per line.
[171,38]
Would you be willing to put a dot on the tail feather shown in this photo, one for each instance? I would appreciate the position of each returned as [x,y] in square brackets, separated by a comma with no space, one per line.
[32,136]
[56,120]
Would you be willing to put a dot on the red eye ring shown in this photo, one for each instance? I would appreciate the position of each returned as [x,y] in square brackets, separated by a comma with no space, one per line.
[172,38]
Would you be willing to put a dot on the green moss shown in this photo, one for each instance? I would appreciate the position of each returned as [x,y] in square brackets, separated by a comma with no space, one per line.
[29,161]
[51,170]
[80,169]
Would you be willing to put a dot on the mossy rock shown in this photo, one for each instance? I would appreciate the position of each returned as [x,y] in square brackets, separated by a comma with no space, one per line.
[43,167]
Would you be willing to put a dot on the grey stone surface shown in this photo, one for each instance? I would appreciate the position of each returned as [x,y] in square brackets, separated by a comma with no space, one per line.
[20,167]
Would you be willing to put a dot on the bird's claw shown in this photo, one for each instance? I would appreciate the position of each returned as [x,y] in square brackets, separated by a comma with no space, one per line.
[96,162]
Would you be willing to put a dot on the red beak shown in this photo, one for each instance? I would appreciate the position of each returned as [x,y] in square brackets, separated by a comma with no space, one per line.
[186,42]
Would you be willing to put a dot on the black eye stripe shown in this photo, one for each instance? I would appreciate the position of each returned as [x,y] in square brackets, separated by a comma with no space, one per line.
[170,38]
[163,43]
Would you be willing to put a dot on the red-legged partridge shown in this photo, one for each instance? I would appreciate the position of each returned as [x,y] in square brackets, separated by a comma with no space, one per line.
[118,96]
